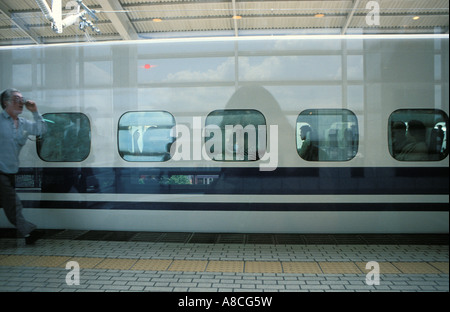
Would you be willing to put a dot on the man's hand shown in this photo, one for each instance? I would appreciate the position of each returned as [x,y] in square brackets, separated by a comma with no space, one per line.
[31,106]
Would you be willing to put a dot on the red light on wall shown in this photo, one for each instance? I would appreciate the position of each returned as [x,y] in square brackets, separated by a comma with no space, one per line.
[148,66]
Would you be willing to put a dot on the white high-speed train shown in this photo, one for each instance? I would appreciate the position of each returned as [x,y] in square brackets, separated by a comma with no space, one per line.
[308,134]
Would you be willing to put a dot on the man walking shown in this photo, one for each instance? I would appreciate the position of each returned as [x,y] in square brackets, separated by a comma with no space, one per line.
[14,132]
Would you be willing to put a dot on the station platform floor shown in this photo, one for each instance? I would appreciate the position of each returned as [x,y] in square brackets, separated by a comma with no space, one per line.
[214,262]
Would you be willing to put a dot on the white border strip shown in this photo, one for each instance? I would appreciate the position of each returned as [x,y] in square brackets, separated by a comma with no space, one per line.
[227,198]
[232,38]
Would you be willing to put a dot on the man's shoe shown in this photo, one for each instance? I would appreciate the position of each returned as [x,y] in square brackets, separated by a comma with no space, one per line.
[33,237]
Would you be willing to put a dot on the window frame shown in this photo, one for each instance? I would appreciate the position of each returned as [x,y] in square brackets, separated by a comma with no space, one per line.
[144,160]
[413,111]
[234,154]
[40,140]
[320,149]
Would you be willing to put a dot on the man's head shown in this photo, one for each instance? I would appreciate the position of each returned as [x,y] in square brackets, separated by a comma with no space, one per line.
[417,130]
[304,130]
[12,101]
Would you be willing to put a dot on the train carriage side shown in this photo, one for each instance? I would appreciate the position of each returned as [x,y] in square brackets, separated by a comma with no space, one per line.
[344,134]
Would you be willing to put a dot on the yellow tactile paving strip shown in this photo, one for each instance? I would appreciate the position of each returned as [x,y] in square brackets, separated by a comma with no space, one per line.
[415,268]
[151,265]
[302,267]
[225,266]
[385,267]
[263,267]
[306,267]
[86,263]
[441,266]
[18,260]
[47,261]
[116,264]
[188,266]
[339,268]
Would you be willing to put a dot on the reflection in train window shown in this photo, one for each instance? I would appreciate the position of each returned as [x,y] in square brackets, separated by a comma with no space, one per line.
[418,135]
[327,135]
[146,136]
[235,135]
[68,137]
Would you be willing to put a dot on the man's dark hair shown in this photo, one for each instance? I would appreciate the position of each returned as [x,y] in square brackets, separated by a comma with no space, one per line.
[7,96]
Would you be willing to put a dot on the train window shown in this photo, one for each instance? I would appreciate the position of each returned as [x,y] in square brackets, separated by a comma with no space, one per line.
[418,134]
[68,138]
[146,136]
[235,135]
[327,135]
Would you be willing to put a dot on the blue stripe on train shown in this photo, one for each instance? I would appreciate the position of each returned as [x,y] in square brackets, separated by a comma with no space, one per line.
[301,181]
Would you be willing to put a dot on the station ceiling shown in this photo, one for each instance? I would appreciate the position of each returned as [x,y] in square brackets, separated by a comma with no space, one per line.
[23,21]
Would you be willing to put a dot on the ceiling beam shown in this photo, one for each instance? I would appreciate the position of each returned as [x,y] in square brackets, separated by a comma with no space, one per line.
[113,9]
[235,25]
[19,23]
[350,16]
